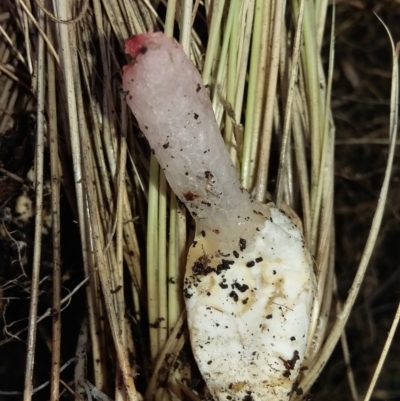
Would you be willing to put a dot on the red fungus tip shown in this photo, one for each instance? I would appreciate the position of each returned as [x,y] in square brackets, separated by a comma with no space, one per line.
[139,44]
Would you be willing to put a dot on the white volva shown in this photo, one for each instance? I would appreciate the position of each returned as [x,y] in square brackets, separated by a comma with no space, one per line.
[249,283]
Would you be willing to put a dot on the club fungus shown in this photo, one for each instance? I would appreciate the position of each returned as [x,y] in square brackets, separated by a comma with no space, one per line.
[249,284]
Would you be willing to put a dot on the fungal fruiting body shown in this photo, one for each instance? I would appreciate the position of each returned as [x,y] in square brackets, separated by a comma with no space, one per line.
[249,283]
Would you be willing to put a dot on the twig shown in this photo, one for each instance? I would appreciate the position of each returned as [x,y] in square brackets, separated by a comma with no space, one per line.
[56,228]
[384,353]
[266,136]
[40,140]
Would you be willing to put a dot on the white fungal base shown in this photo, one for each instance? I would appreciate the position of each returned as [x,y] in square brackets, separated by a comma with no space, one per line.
[249,311]
[249,283]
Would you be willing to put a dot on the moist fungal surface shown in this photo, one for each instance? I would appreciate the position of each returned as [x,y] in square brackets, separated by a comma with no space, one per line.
[249,283]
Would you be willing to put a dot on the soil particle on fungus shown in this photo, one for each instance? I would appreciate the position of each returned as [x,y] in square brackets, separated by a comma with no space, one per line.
[225,265]
[201,266]
[290,363]
[241,287]
[248,397]
[190,195]
[242,244]
[208,174]
[296,389]
[233,295]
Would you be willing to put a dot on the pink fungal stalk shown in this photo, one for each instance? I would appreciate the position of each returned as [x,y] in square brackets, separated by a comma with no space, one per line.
[249,284]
